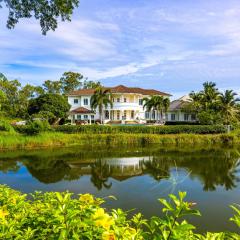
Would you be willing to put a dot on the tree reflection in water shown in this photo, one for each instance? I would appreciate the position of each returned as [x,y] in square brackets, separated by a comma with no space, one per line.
[99,174]
[212,167]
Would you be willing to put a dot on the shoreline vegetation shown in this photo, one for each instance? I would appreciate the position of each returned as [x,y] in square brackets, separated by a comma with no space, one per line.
[59,139]
[40,134]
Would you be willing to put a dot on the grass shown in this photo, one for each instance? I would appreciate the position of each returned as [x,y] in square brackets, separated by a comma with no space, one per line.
[57,139]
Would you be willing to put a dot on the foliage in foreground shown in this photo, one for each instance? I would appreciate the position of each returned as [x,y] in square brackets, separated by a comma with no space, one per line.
[60,216]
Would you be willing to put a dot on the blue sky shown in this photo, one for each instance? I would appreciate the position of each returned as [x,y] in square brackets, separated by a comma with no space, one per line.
[170,45]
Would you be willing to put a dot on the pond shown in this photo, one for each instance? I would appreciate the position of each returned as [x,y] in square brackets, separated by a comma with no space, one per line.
[136,176]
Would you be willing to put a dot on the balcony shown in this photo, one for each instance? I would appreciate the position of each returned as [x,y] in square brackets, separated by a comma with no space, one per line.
[126,106]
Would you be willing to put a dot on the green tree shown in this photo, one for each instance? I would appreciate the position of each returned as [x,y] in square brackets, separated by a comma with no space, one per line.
[91,84]
[149,105]
[210,95]
[48,12]
[53,103]
[71,81]
[3,98]
[53,87]
[157,103]
[101,99]
[227,106]
[11,90]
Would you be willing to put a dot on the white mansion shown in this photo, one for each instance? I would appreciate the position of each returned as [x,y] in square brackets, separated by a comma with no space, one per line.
[127,105]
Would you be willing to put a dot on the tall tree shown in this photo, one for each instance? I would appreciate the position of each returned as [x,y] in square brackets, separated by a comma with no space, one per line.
[209,96]
[53,87]
[149,105]
[48,12]
[228,107]
[71,81]
[10,90]
[91,84]
[157,103]
[101,99]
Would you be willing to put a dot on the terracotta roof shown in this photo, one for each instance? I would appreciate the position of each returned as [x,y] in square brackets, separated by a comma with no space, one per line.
[120,89]
[81,110]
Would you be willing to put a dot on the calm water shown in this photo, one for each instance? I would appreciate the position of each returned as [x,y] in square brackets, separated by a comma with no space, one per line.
[136,176]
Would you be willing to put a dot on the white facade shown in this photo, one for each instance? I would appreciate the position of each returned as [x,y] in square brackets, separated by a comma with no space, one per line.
[127,107]
[176,112]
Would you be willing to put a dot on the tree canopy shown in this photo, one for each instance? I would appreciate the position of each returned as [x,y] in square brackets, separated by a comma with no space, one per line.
[47,12]
[53,103]
[213,106]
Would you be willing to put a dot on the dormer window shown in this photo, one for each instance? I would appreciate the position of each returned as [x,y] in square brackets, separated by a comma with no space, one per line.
[75,101]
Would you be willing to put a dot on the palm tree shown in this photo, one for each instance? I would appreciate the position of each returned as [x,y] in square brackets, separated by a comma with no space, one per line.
[149,105]
[209,96]
[166,104]
[158,103]
[101,99]
[227,105]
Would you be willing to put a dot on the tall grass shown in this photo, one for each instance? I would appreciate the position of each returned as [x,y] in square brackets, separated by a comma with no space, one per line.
[53,139]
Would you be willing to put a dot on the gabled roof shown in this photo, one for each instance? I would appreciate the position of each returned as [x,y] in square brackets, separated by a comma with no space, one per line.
[179,103]
[81,110]
[120,89]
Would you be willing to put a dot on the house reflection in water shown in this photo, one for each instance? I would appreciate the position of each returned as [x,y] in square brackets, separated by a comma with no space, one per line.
[116,168]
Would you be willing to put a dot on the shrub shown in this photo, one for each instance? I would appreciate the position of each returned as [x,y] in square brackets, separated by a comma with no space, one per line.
[33,127]
[55,215]
[195,129]
[181,123]
[6,126]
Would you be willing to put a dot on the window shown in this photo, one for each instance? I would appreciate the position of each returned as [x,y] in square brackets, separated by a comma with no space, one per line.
[75,101]
[92,117]
[147,115]
[140,102]
[125,99]
[132,114]
[153,114]
[118,99]
[173,117]
[85,101]
[85,117]
[118,115]
[193,116]
[106,114]
[125,115]
[79,117]
[185,117]
[113,100]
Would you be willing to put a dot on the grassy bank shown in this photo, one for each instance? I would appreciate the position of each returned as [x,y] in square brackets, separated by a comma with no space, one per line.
[54,139]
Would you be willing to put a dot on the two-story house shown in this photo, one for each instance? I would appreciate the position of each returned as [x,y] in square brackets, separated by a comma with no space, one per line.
[127,105]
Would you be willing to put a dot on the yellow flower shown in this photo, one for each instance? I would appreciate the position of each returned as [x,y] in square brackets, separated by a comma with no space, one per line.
[130,233]
[3,214]
[87,198]
[102,219]
[108,236]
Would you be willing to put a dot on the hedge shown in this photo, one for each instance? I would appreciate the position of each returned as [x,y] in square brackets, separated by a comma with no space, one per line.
[98,129]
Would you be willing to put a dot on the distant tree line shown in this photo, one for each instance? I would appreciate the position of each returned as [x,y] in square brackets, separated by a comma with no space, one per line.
[47,101]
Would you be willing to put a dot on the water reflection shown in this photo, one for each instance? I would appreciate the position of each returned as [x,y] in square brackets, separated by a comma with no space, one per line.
[212,168]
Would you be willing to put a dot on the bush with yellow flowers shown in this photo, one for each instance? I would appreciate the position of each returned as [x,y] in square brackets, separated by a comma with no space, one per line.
[63,216]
